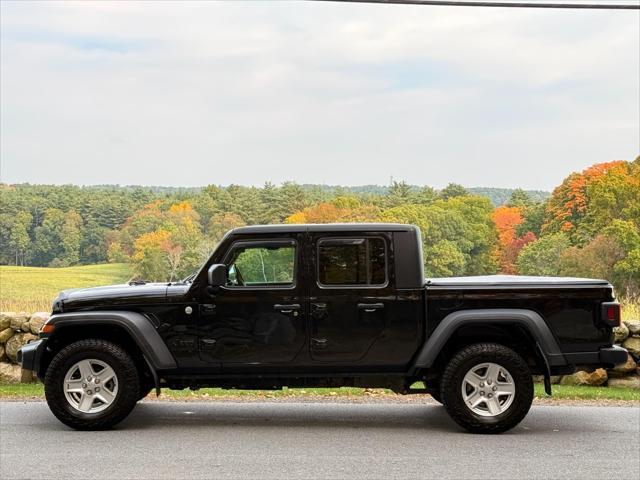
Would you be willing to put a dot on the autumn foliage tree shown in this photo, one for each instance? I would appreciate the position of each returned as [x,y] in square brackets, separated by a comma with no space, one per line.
[569,203]
[340,209]
[162,242]
[150,255]
[507,220]
[596,213]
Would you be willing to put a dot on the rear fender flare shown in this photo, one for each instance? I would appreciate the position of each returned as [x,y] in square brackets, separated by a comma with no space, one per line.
[528,319]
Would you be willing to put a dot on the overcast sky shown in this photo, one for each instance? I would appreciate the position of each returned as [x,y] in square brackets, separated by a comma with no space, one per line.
[196,93]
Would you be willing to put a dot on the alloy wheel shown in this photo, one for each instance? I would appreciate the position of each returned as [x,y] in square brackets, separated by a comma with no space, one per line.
[488,389]
[90,386]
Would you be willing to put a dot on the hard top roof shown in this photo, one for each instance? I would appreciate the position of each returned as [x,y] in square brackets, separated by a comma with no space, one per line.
[325,227]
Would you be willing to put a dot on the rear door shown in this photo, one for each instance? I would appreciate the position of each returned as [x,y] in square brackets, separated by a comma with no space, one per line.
[350,296]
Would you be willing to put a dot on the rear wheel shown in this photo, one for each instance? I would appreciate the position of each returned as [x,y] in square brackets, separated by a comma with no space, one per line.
[92,384]
[487,388]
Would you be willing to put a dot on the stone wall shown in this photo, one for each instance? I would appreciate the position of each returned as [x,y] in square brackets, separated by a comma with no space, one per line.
[16,329]
[625,375]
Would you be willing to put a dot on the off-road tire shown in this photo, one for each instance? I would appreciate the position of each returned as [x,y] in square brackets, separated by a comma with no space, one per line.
[128,384]
[461,363]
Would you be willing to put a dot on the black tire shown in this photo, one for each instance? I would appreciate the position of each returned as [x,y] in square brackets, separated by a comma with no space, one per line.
[113,355]
[451,385]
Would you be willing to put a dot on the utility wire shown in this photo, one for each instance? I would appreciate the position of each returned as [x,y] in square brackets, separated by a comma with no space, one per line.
[463,3]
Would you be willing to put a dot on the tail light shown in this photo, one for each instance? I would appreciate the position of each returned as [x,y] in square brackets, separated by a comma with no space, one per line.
[610,314]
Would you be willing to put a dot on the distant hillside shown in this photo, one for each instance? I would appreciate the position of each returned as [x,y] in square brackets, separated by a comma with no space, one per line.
[500,196]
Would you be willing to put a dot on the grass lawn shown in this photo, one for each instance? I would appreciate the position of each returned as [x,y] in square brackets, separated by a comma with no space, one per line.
[32,289]
[560,392]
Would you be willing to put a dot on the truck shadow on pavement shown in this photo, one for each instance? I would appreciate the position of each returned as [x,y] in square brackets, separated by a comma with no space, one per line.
[289,415]
[430,417]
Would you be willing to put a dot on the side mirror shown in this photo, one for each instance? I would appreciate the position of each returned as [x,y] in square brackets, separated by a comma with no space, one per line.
[217,275]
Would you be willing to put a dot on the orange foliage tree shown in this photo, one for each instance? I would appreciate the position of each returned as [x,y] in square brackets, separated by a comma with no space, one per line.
[507,219]
[341,209]
[509,255]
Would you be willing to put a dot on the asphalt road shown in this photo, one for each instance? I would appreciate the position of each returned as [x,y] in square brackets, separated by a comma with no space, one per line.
[319,440]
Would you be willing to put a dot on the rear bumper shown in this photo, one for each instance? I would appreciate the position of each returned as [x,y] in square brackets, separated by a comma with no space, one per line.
[29,355]
[606,357]
[613,355]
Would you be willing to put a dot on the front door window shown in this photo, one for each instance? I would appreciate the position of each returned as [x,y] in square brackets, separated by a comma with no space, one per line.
[262,266]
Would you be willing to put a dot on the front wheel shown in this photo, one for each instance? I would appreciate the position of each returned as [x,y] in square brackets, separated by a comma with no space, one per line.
[487,388]
[92,384]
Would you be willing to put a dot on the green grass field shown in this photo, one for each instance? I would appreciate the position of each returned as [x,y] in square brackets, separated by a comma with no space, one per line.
[560,392]
[31,289]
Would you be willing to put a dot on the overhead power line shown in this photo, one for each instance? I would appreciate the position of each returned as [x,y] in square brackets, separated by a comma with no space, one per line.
[508,4]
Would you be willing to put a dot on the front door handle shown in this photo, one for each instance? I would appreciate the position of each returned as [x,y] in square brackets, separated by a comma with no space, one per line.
[319,343]
[294,307]
[370,307]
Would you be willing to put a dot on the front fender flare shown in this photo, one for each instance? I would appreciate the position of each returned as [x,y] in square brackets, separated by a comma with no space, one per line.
[528,319]
[135,324]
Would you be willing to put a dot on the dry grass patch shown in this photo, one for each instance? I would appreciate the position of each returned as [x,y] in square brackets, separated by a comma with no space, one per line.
[31,289]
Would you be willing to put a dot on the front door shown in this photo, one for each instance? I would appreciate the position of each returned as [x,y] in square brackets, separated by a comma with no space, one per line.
[350,297]
[258,318]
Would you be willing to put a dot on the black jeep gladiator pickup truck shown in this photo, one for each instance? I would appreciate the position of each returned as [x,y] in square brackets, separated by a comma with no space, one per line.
[322,306]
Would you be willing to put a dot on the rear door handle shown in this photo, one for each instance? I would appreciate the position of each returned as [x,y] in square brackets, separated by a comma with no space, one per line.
[294,307]
[370,307]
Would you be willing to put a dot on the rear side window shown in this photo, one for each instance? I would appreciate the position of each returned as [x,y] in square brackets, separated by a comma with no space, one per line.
[352,261]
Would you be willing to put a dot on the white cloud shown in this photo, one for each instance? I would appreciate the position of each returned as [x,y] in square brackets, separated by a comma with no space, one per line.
[197,93]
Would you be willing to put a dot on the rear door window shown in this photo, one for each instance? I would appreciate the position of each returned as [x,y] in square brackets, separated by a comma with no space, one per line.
[352,262]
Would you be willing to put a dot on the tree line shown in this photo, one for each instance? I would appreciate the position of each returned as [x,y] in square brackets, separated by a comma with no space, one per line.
[45,225]
[589,226]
